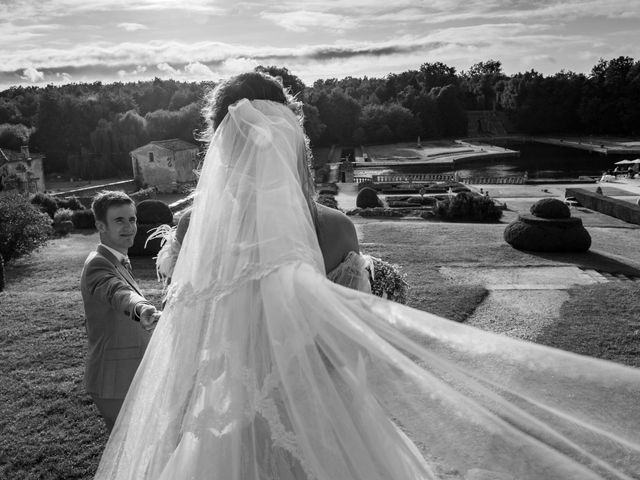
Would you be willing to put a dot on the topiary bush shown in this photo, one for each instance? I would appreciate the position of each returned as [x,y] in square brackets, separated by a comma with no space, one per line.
[23,227]
[537,234]
[62,223]
[368,198]
[466,206]
[83,219]
[151,214]
[46,203]
[62,215]
[154,211]
[550,208]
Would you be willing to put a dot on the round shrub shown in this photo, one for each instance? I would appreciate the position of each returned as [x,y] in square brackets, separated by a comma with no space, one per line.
[365,184]
[154,212]
[83,219]
[151,214]
[537,234]
[550,208]
[62,215]
[143,248]
[368,198]
[46,203]
[23,227]
[62,223]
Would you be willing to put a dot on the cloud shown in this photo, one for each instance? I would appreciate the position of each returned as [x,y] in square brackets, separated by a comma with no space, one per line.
[63,77]
[303,20]
[132,27]
[18,34]
[165,67]
[32,75]
[198,70]
[30,9]
[192,71]
[234,66]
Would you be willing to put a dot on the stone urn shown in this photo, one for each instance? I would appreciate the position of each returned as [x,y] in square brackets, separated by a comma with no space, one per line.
[548,228]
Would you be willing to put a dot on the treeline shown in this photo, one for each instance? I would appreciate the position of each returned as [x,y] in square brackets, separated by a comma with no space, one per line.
[88,130]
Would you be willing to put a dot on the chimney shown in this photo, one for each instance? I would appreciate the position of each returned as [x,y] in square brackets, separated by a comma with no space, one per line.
[24,149]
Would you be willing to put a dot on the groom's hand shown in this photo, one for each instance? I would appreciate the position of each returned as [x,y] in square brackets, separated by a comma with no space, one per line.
[148,315]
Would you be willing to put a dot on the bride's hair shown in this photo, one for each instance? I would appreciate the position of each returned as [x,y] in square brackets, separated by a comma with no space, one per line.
[258,86]
[250,85]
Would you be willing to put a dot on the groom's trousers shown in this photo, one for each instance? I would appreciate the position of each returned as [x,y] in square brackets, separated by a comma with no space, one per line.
[108,408]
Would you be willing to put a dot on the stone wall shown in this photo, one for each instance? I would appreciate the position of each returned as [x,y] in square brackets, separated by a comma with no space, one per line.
[85,194]
[609,206]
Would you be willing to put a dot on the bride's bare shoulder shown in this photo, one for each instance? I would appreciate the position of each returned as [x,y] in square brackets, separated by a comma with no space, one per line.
[336,234]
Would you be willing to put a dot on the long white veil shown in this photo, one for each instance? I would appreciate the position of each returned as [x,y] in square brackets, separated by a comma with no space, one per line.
[260,368]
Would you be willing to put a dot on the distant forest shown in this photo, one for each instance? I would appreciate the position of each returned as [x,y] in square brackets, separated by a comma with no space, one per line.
[87,130]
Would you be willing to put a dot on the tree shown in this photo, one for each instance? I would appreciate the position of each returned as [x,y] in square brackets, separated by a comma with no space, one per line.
[13,136]
[480,81]
[340,113]
[437,75]
[450,112]
[387,123]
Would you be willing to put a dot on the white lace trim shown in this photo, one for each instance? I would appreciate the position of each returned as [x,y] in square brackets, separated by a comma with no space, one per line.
[214,291]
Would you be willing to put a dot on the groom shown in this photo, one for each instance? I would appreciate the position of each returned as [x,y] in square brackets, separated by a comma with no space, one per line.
[118,319]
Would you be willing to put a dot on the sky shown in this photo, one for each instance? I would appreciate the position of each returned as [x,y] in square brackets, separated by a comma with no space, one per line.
[63,41]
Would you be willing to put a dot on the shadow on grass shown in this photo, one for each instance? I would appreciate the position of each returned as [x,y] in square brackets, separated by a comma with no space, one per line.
[591,260]
[599,321]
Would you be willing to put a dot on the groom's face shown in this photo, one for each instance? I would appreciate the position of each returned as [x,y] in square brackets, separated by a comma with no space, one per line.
[119,229]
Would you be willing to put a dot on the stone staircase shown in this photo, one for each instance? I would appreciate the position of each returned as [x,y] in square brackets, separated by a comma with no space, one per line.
[604,277]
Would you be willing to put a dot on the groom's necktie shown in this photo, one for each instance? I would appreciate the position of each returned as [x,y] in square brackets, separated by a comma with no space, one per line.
[127,264]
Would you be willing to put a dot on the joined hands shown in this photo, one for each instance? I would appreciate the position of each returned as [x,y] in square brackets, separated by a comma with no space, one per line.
[149,316]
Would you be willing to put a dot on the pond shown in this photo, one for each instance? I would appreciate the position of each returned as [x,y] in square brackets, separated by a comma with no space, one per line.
[537,159]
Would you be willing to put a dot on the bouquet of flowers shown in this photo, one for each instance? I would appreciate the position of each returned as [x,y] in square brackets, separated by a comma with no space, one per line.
[387,280]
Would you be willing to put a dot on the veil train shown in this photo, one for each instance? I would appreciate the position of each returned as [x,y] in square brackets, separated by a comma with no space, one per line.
[261,368]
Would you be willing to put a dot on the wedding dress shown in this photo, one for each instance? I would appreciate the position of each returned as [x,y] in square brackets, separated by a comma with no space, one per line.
[262,368]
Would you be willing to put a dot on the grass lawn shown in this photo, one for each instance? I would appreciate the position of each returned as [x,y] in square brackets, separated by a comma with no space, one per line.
[50,429]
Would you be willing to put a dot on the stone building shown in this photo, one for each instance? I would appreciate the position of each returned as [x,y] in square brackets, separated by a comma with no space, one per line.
[21,170]
[165,164]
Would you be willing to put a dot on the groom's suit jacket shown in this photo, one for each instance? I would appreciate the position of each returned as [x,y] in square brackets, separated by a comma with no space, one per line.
[116,341]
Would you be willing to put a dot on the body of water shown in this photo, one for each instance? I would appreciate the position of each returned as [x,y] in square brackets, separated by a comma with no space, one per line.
[537,159]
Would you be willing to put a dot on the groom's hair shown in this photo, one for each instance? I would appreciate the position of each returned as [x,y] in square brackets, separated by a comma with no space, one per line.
[106,199]
[250,85]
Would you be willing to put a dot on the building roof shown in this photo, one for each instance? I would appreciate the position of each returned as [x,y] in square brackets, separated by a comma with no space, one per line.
[175,144]
[8,156]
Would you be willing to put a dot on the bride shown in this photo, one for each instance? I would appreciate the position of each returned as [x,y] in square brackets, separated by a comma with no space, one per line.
[262,368]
